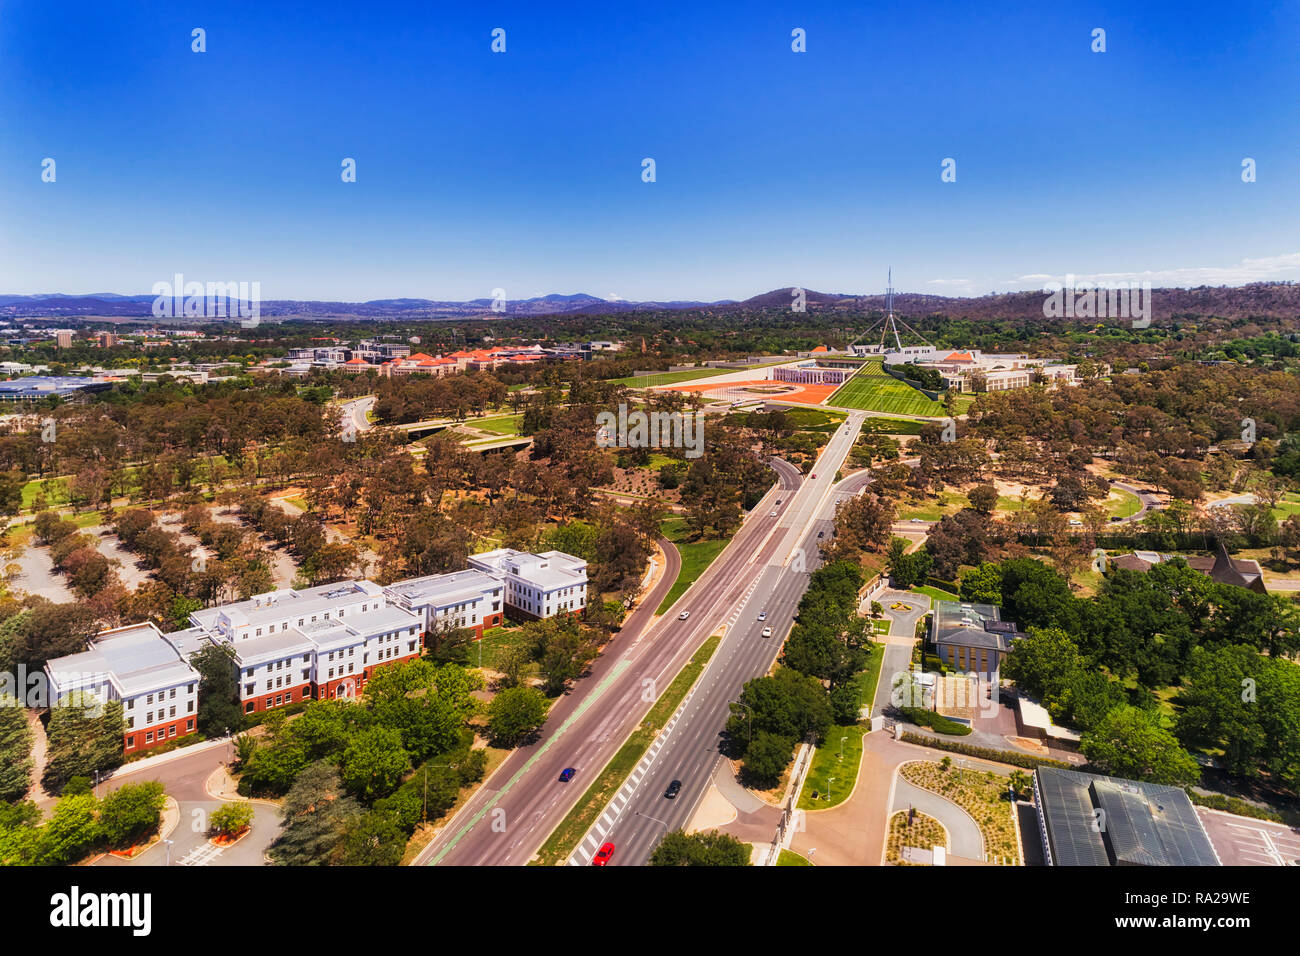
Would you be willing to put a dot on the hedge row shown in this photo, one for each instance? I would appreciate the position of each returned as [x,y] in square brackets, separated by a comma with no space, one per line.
[1219,801]
[1026,761]
[936,722]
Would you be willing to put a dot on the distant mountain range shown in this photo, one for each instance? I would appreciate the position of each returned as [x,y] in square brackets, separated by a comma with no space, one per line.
[1263,299]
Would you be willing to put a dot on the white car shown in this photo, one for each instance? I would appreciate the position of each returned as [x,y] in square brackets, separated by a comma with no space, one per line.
[762,615]
[767,632]
[772,515]
[684,615]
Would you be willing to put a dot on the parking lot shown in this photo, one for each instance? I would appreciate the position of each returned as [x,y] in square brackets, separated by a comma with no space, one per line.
[1241,841]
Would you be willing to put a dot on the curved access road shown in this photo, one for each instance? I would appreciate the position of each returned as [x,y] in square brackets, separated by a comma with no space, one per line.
[967,841]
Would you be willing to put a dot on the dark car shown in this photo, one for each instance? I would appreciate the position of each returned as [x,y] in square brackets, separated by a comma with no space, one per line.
[567,774]
[674,788]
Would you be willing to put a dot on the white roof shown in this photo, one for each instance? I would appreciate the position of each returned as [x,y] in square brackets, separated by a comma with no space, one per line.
[135,658]
[442,590]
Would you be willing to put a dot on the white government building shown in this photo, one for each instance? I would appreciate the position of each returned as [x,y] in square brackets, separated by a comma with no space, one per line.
[321,642]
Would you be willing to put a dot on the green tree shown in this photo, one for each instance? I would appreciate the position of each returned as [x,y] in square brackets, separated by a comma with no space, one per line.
[515,715]
[220,711]
[230,819]
[316,815]
[130,812]
[71,833]
[982,585]
[85,736]
[766,759]
[1130,743]
[15,749]
[374,763]
[700,849]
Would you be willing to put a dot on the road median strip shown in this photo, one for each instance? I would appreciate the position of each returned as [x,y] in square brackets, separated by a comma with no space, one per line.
[570,831]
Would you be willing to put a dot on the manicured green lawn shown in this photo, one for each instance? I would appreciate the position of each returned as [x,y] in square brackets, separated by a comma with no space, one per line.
[828,763]
[696,557]
[873,389]
[502,425]
[1289,505]
[671,378]
[934,593]
[791,858]
[1125,505]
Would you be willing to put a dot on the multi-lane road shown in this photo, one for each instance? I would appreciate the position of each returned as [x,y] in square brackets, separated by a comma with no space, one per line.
[513,813]
[688,751]
[511,816]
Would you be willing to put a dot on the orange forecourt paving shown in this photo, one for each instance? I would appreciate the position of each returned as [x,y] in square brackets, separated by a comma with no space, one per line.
[757,389]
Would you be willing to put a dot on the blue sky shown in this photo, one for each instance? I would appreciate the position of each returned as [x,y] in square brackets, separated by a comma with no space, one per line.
[522,170]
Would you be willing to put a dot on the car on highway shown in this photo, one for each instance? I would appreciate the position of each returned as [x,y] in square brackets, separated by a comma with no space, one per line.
[814,474]
[767,632]
[773,514]
[684,615]
[674,788]
[567,774]
[602,855]
[762,615]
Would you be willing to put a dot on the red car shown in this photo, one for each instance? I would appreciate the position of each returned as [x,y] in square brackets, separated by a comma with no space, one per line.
[814,474]
[602,855]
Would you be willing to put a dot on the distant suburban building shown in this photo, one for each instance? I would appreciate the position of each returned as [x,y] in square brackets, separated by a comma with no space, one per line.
[971,637]
[36,387]
[1085,819]
[136,665]
[63,338]
[1223,568]
[538,585]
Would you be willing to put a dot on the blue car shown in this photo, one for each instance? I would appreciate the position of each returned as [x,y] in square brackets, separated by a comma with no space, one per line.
[567,774]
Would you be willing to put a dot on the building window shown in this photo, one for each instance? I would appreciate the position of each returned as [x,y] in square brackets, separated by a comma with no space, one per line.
[148,737]
[130,743]
[248,708]
[189,725]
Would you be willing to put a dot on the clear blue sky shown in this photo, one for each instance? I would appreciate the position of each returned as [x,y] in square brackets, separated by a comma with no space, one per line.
[522,170]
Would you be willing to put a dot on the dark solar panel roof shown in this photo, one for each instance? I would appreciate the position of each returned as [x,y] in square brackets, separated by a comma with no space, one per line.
[1092,820]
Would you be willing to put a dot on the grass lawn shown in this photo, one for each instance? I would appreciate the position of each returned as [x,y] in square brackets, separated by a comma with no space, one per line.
[791,858]
[935,593]
[873,389]
[945,503]
[1289,505]
[671,378]
[696,557]
[827,763]
[298,501]
[496,642]
[502,425]
[564,838]
[1122,504]
[880,627]
[57,493]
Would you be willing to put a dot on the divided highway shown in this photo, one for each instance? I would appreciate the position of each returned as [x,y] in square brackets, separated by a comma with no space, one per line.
[688,751]
[506,822]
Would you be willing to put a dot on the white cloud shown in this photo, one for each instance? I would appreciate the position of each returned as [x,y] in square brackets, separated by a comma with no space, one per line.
[1267,269]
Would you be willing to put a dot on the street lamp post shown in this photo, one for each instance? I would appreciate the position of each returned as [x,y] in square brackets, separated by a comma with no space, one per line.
[829,781]
[749,712]
[842,739]
[169,851]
